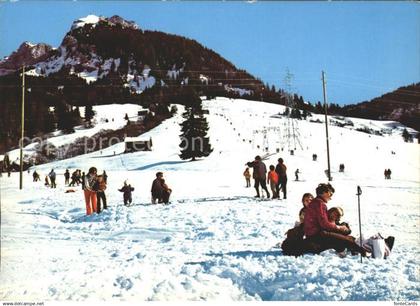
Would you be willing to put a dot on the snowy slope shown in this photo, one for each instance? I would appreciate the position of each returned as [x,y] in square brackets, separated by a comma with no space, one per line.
[107,117]
[215,241]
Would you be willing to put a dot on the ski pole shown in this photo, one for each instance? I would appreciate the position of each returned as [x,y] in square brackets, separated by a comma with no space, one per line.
[359,192]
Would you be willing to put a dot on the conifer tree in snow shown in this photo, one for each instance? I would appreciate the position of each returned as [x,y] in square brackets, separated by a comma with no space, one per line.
[194,142]
[89,113]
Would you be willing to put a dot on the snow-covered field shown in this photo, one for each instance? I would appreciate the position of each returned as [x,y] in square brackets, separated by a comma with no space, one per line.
[214,242]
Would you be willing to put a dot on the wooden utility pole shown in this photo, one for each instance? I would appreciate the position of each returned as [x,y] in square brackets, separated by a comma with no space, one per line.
[326,124]
[22,129]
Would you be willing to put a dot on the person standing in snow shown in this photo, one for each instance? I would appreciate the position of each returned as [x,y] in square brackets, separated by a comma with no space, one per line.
[281,172]
[100,194]
[259,175]
[157,189]
[66,177]
[297,175]
[273,179]
[127,190]
[105,176]
[35,176]
[89,192]
[52,177]
[247,176]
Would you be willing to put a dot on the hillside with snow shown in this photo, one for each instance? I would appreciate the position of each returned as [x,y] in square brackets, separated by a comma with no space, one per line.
[215,241]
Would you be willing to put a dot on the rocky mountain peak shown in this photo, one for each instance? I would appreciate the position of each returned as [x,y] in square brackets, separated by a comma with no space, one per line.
[27,54]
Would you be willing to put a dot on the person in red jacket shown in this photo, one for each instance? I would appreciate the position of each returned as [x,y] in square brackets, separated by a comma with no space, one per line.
[273,179]
[316,221]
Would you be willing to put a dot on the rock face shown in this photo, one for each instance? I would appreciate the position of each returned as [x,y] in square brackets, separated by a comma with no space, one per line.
[27,54]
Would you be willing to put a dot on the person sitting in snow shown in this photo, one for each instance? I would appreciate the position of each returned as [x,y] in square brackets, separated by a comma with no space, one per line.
[166,192]
[294,244]
[127,190]
[321,233]
[259,175]
[306,199]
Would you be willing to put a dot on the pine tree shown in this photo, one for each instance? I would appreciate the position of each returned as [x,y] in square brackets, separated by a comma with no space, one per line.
[194,142]
[89,113]
[407,136]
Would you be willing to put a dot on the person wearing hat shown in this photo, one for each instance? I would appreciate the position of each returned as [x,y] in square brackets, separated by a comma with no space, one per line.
[259,175]
[281,172]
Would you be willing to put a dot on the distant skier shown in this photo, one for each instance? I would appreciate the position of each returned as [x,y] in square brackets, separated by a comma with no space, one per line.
[389,174]
[247,176]
[341,169]
[297,175]
[46,181]
[52,177]
[66,177]
[314,157]
[259,175]
[127,190]
[281,170]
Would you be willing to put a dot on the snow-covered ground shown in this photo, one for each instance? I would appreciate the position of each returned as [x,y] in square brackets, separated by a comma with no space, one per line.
[214,242]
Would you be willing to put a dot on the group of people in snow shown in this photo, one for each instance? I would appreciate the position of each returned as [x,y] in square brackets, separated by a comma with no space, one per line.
[387,174]
[94,190]
[320,229]
[276,177]
[94,186]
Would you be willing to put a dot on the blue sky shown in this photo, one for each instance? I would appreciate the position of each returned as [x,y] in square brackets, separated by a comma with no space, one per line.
[365,48]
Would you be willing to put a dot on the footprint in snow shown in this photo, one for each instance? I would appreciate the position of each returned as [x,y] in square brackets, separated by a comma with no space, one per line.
[123,283]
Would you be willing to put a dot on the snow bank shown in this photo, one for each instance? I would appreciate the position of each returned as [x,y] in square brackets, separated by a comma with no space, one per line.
[214,242]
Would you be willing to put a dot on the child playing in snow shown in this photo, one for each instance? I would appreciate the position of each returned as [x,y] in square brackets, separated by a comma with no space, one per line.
[247,175]
[127,190]
[273,179]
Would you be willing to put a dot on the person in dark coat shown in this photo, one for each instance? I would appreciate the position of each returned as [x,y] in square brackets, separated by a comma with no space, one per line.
[100,194]
[35,176]
[127,190]
[66,177]
[105,176]
[157,189]
[281,172]
[166,192]
[259,175]
[52,177]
